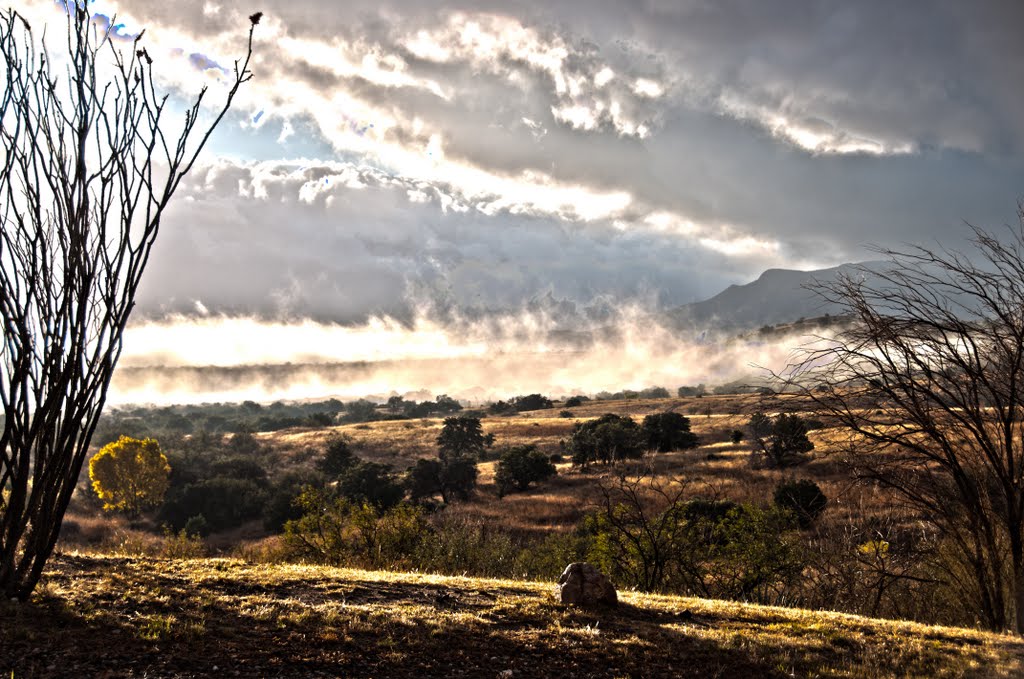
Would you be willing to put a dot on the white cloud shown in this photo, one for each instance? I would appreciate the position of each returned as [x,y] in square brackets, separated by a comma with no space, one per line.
[648,88]
[812,134]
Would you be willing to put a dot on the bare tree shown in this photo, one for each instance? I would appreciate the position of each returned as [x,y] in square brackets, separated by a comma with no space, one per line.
[929,381]
[88,171]
[641,523]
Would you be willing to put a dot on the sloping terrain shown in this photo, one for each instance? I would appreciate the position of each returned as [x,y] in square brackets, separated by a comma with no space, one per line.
[777,296]
[138,617]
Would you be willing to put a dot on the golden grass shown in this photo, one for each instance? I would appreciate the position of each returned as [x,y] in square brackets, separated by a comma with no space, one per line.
[120,616]
[717,468]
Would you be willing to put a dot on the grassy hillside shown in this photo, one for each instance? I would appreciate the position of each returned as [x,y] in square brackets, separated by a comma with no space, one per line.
[123,616]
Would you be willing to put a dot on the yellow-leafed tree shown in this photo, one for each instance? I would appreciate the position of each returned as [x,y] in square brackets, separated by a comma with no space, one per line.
[130,475]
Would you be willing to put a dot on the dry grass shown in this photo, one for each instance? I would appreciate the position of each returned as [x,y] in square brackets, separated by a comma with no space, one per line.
[126,617]
[717,468]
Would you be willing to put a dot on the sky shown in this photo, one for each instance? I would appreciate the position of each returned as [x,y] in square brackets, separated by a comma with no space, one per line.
[433,180]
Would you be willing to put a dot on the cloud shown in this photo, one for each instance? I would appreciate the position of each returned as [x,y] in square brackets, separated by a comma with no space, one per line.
[488,154]
[340,242]
[474,360]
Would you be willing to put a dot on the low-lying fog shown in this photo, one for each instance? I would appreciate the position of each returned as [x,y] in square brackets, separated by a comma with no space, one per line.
[181,360]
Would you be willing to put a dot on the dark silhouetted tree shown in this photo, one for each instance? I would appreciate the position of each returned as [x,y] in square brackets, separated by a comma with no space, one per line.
[607,440]
[337,458]
[785,444]
[927,379]
[520,466]
[531,402]
[371,483]
[462,436]
[669,431]
[90,165]
[453,478]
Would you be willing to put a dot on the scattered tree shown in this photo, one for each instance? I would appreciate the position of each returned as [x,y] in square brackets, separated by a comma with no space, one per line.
[89,167]
[686,391]
[280,506]
[501,408]
[607,440]
[452,478]
[520,466]
[532,402]
[337,458]
[781,441]
[370,483]
[655,392]
[670,431]
[804,498]
[445,404]
[760,426]
[463,436]
[360,411]
[130,475]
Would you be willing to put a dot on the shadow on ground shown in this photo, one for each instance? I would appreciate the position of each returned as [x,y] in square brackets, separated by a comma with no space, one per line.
[125,617]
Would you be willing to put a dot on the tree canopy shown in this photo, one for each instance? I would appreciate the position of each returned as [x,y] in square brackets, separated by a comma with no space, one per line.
[670,431]
[519,466]
[607,440]
[130,475]
[463,436]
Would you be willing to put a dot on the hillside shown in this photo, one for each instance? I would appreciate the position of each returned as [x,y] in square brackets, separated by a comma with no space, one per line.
[133,617]
[777,296]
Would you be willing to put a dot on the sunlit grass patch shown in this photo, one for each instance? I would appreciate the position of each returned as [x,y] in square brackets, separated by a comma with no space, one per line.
[171,617]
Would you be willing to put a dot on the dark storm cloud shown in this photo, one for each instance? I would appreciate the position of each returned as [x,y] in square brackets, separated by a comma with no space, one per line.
[355,252]
[819,126]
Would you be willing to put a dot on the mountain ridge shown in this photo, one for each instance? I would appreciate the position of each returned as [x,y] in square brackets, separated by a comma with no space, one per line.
[776,296]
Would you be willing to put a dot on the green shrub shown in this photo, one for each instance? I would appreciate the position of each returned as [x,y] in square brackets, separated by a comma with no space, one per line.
[520,466]
[182,545]
[804,498]
[463,436]
[334,530]
[371,482]
[670,431]
[468,545]
[607,439]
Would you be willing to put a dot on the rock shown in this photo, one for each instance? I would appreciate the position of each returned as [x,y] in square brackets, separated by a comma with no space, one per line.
[582,584]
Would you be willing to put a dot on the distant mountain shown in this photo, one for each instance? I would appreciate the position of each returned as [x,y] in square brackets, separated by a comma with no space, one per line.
[777,296]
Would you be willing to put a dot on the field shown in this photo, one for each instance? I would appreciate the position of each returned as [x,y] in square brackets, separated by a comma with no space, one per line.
[112,603]
[113,616]
[716,468]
